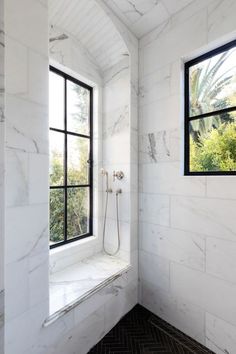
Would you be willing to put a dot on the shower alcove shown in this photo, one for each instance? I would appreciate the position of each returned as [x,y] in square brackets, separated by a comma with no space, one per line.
[87,43]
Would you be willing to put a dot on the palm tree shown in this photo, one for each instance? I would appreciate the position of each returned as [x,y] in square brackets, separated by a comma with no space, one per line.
[207,84]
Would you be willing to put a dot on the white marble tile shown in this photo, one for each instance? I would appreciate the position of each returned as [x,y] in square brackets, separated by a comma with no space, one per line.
[154,208]
[16,68]
[124,284]
[134,147]
[167,178]
[160,30]
[160,115]
[155,86]
[189,12]
[26,329]
[27,125]
[116,150]
[123,205]
[28,27]
[176,82]
[140,10]
[17,286]
[38,179]
[77,280]
[174,6]
[220,21]
[213,217]
[119,305]
[84,336]
[179,312]
[2,310]
[183,247]
[111,237]
[160,52]
[32,236]
[221,187]
[212,294]
[150,20]
[17,178]
[220,335]
[38,274]
[37,79]
[2,175]
[161,146]
[220,259]
[116,84]
[150,262]
[72,253]
[116,121]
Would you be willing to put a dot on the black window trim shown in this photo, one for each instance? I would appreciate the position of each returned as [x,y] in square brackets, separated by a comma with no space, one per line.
[90,161]
[188,119]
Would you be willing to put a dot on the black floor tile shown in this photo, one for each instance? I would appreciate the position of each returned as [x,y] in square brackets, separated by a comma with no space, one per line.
[141,332]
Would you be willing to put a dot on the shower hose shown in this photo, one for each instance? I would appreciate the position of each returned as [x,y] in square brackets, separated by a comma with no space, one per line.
[117,221]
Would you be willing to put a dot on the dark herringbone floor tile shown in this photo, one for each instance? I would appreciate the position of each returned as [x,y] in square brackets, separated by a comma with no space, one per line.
[141,332]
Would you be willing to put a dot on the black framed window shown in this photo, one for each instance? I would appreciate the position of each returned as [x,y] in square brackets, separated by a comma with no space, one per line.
[71,156]
[210,112]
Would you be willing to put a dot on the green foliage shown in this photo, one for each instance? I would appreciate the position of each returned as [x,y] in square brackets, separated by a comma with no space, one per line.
[207,93]
[77,173]
[213,139]
[215,151]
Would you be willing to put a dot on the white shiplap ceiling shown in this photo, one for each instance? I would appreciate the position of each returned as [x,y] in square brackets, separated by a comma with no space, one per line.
[87,22]
[142,16]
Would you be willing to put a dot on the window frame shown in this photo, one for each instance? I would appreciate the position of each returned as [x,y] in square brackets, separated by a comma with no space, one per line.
[66,132]
[188,119]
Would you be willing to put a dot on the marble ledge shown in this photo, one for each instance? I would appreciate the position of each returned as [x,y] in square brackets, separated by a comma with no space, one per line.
[77,283]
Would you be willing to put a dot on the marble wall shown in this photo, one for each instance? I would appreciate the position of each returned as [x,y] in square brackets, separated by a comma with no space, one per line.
[67,54]
[2,137]
[26,149]
[26,211]
[116,152]
[187,224]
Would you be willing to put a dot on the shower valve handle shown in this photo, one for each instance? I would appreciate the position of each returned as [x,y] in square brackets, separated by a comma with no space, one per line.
[118,174]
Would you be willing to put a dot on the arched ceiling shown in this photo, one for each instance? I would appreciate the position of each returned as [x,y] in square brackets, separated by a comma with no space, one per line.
[90,25]
[87,22]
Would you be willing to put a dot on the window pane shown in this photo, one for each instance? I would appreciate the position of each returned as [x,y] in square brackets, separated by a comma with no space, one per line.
[56,215]
[212,83]
[77,212]
[213,143]
[56,101]
[78,99]
[77,157]
[56,158]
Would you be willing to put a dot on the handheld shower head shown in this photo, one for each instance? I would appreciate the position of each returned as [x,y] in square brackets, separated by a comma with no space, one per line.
[104,172]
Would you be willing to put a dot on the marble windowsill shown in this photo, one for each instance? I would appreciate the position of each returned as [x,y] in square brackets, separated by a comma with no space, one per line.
[68,288]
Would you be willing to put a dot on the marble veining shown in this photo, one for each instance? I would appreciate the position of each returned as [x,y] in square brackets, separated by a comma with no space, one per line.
[78,281]
[2,116]
[115,75]
[117,122]
[159,146]
[60,37]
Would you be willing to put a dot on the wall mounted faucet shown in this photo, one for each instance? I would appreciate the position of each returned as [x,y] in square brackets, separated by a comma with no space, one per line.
[118,175]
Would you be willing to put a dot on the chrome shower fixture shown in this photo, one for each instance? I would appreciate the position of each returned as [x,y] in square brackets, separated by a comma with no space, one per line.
[104,172]
[118,175]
